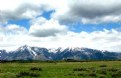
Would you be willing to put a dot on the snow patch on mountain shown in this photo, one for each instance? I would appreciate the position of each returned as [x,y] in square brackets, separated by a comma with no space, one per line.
[36,53]
[25,47]
[52,50]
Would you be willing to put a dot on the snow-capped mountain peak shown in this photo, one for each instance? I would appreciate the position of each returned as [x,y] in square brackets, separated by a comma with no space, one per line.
[36,53]
[23,47]
[55,50]
[27,48]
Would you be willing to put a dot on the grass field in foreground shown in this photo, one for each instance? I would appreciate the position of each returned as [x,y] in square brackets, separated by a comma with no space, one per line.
[98,69]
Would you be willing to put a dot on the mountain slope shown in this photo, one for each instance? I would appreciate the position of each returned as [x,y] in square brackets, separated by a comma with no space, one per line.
[85,53]
[35,53]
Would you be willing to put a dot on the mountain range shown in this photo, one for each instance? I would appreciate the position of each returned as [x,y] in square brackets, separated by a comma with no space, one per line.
[36,53]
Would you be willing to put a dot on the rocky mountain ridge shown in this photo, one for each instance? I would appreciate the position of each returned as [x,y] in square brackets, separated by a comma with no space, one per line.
[36,53]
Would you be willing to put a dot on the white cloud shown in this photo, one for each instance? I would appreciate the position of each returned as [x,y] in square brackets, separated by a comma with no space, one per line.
[12,29]
[11,36]
[22,9]
[89,11]
[42,27]
[66,11]
[102,40]
[53,33]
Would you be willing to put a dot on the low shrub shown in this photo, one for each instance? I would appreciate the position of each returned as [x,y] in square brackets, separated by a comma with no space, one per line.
[35,68]
[103,71]
[22,74]
[92,69]
[116,75]
[71,74]
[82,74]
[80,69]
[113,69]
[103,66]
[119,71]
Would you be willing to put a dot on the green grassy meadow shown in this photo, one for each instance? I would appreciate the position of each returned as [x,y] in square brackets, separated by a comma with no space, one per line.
[96,69]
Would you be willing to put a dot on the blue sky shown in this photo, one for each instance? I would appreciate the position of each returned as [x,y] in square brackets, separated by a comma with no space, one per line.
[78,27]
[26,22]
[94,27]
[23,22]
[62,23]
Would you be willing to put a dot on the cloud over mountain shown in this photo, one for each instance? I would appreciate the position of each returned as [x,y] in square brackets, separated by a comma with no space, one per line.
[55,31]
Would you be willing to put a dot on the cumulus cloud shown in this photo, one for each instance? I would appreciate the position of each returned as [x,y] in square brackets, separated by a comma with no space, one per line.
[25,11]
[103,40]
[11,36]
[42,27]
[54,32]
[22,9]
[12,29]
[90,11]
[66,11]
